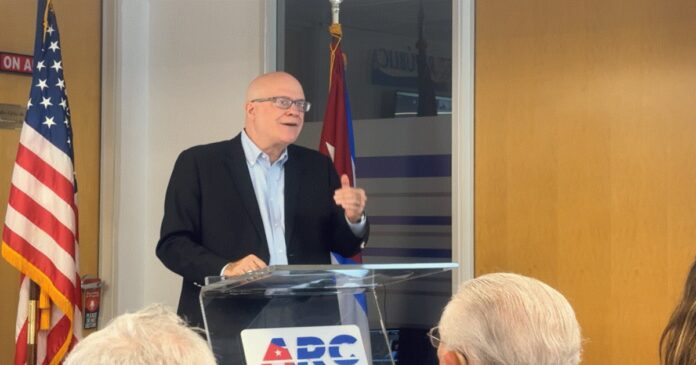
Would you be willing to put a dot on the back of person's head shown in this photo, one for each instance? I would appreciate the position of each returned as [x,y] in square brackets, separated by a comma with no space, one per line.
[510,319]
[678,341]
[153,335]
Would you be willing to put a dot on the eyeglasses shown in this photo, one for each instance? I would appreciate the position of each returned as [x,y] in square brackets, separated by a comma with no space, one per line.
[434,336]
[282,102]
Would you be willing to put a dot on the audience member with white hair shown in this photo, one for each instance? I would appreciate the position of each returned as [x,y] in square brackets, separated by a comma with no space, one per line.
[507,319]
[154,335]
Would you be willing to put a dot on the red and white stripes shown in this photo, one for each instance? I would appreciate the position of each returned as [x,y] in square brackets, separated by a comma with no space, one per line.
[40,240]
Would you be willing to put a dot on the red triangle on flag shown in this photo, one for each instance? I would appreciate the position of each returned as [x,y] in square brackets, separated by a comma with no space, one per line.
[277,351]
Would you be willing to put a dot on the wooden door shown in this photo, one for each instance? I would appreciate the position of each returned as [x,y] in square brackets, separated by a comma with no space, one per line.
[80,30]
[585,160]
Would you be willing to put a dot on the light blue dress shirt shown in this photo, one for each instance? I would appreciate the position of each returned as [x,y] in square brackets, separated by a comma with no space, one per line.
[269,186]
[268,180]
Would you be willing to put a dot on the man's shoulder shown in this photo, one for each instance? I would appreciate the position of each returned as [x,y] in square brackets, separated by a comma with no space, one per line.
[209,150]
[210,147]
[305,154]
[206,156]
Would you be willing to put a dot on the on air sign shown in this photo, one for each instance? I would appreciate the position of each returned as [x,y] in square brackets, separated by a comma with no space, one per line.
[325,345]
[18,63]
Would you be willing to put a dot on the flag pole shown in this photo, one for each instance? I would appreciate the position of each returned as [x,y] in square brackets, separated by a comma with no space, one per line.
[31,322]
[34,290]
[335,9]
[337,33]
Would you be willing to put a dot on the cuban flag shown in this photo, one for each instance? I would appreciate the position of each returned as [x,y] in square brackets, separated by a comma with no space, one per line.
[337,132]
[338,143]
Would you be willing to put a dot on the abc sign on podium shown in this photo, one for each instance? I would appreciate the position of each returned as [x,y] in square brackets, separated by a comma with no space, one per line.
[339,345]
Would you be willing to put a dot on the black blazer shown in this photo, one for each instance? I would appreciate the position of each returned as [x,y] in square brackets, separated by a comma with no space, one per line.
[211,215]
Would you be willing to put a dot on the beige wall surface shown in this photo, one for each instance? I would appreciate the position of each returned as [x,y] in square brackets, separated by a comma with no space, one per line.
[79,22]
[585,168]
[180,73]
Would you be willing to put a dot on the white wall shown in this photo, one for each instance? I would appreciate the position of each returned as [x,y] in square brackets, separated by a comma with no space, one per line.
[175,74]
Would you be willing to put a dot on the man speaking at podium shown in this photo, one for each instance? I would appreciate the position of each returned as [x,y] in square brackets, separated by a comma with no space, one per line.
[239,205]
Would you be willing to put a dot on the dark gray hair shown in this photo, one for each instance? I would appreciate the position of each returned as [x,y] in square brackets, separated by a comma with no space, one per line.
[510,319]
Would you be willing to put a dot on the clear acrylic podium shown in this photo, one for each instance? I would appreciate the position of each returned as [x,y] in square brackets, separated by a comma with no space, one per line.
[303,296]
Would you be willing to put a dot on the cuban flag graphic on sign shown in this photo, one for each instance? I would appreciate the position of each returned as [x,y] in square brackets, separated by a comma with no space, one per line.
[277,353]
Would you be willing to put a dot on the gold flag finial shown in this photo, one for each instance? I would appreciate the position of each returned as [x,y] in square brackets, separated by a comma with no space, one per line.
[45,18]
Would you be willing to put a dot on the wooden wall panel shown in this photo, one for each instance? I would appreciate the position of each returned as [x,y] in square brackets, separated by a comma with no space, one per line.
[79,22]
[586,158]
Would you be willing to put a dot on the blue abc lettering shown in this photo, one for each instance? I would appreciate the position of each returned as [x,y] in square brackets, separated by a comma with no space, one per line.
[310,348]
[335,350]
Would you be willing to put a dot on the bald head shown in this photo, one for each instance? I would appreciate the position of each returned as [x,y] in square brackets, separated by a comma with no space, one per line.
[270,126]
[271,84]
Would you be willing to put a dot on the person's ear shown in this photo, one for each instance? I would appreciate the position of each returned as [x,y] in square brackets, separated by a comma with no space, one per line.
[249,108]
[452,358]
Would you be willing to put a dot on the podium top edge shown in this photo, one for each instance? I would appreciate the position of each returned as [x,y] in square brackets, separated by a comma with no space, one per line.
[363,274]
[418,266]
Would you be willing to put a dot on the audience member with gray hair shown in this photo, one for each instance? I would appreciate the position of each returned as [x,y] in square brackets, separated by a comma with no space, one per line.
[507,319]
[152,336]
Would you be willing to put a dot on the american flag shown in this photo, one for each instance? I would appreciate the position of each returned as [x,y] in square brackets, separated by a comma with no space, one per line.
[40,232]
